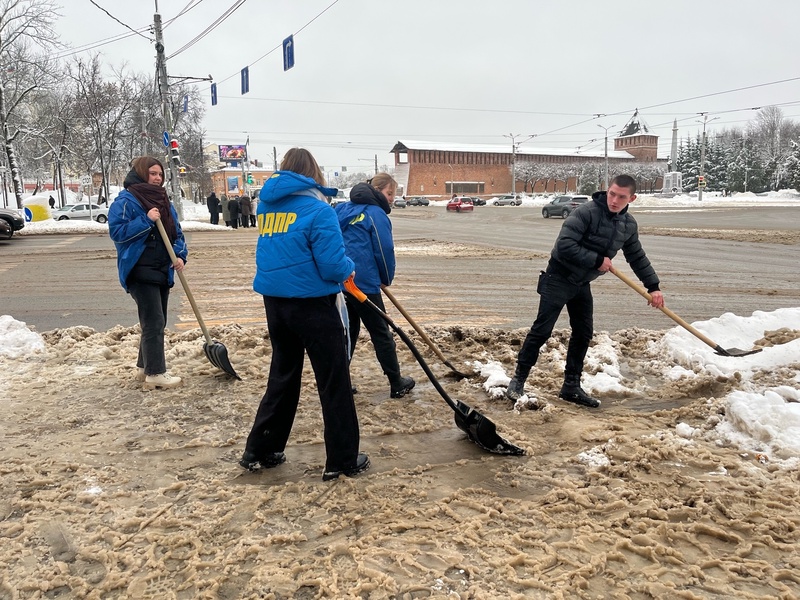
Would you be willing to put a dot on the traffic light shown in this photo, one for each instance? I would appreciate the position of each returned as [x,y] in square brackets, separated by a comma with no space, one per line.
[174,152]
[182,170]
[701,181]
[249,179]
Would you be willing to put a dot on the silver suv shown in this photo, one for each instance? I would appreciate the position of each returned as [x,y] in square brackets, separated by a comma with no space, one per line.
[562,206]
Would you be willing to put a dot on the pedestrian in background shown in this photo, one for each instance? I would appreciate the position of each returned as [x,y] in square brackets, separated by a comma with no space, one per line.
[245,207]
[367,233]
[226,213]
[233,209]
[212,202]
[145,268]
[300,266]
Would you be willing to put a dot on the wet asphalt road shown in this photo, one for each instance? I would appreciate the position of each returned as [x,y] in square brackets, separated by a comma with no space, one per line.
[57,281]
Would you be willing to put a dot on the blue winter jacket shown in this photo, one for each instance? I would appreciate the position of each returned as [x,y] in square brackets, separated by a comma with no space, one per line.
[129,228]
[367,233]
[300,252]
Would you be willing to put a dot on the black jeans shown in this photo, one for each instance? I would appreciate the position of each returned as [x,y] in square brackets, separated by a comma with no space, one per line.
[555,293]
[151,301]
[312,325]
[379,333]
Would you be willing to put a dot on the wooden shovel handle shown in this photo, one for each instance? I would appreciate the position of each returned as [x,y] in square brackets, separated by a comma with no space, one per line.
[416,327]
[184,283]
[633,285]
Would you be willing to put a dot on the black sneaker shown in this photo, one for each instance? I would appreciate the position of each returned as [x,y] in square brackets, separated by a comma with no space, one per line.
[402,387]
[252,462]
[576,395]
[354,390]
[362,464]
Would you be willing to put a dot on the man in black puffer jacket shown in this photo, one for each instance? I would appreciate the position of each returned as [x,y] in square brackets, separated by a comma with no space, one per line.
[590,237]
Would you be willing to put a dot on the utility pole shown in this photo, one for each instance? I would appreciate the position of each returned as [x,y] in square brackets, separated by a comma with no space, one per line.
[274,159]
[605,151]
[163,84]
[514,147]
[702,178]
[376,164]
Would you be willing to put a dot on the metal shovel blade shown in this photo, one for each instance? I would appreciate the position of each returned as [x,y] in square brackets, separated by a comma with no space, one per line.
[735,351]
[483,432]
[478,428]
[217,355]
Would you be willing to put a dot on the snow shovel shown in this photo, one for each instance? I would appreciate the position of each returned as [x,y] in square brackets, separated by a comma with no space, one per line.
[422,334]
[216,352]
[717,348]
[478,428]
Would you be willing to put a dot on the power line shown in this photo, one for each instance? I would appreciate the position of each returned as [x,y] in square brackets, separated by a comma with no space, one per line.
[192,4]
[118,21]
[376,105]
[281,44]
[217,22]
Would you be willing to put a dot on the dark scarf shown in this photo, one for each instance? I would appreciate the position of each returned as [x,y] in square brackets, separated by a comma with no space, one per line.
[364,193]
[152,196]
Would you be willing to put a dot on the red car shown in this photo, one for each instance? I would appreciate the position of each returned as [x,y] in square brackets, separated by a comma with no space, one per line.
[460,204]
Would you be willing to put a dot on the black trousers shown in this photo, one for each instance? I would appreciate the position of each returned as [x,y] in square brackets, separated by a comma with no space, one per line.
[556,293]
[379,333]
[151,300]
[312,325]
[215,218]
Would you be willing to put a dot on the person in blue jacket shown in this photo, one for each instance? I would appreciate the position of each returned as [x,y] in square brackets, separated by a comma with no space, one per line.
[367,233]
[145,269]
[300,266]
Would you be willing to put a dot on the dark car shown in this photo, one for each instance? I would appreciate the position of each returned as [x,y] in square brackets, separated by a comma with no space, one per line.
[562,206]
[418,201]
[477,201]
[13,220]
[400,203]
[460,204]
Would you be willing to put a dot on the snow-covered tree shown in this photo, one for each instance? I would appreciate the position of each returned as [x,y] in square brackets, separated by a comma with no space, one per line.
[25,27]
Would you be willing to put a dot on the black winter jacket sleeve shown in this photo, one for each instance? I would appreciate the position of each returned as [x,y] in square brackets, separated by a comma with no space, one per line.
[591,233]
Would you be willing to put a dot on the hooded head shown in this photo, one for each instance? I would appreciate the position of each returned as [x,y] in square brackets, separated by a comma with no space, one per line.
[140,168]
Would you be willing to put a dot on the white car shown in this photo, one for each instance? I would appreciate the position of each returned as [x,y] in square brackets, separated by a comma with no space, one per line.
[81,211]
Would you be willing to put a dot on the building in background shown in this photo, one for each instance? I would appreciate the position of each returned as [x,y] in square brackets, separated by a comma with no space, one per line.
[442,168]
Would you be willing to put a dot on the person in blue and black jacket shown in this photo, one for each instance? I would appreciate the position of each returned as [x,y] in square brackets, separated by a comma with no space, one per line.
[300,266]
[145,269]
[367,233]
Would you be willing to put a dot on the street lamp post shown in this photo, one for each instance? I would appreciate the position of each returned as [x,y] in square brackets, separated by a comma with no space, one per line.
[452,180]
[605,151]
[703,157]
[514,146]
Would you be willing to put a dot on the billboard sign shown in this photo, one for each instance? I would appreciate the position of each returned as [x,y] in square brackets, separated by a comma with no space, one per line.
[232,153]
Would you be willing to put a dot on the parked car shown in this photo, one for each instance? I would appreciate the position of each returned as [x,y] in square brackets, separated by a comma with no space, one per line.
[460,204]
[12,219]
[562,206]
[81,211]
[418,201]
[477,201]
[507,200]
[400,203]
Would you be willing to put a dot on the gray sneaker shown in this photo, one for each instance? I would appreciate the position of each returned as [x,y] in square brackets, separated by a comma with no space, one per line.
[515,390]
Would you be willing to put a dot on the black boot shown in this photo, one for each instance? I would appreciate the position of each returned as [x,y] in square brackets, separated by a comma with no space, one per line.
[516,387]
[571,391]
[402,386]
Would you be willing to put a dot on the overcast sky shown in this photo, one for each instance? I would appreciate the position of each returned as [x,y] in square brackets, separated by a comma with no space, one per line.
[370,72]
